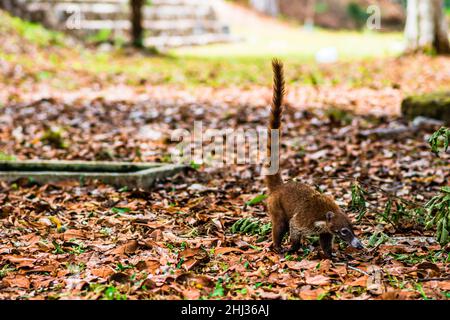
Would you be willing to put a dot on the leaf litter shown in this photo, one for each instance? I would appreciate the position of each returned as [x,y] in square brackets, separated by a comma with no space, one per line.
[73,240]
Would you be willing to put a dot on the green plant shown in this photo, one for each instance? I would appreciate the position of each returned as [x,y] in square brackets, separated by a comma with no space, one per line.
[6,157]
[36,33]
[78,249]
[219,291]
[358,202]
[54,137]
[434,256]
[401,212]
[438,215]
[440,140]
[357,13]
[103,35]
[321,7]
[121,267]
[194,165]
[5,270]
[419,288]
[337,115]
[259,198]
[117,210]
[377,238]
[251,226]
[112,293]
[75,268]
[58,248]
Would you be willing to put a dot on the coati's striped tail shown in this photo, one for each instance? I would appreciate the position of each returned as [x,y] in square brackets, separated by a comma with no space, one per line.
[274,180]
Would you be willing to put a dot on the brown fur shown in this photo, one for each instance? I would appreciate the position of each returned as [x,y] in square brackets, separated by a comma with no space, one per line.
[296,207]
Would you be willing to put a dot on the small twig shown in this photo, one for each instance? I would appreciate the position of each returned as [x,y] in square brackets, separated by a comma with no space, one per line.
[356,269]
[434,279]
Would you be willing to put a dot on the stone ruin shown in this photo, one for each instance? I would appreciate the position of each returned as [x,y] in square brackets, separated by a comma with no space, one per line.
[167,23]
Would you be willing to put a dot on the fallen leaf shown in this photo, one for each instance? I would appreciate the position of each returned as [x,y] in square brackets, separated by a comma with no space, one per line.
[268,295]
[73,234]
[20,262]
[127,248]
[191,294]
[358,282]
[225,250]
[312,294]
[149,265]
[301,265]
[102,272]
[398,295]
[190,263]
[17,280]
[119,277]
[318,280]
[430,270]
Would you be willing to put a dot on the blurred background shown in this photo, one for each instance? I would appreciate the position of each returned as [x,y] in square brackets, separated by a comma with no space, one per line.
[248,27]
[218,43]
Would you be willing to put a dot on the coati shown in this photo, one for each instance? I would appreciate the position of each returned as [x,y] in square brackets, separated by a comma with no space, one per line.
[297,207]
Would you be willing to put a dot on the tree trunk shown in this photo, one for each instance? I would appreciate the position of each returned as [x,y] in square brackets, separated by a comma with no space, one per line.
[136,22]
[270,7]
[310,13]
[426,27]
[441,43]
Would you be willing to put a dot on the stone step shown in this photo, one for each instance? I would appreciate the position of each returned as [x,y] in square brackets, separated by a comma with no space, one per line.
[158,27]
[112,11]
[168,23]
[182,24]
[181,2]
[97,11]
[179,12]
[126,2]
[187,40]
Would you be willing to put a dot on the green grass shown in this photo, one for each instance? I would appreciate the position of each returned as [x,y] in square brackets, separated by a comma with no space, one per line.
[6,157]
[35,32]
[298,44]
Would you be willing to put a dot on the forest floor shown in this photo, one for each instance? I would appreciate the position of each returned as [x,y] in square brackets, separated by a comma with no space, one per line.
[88,240]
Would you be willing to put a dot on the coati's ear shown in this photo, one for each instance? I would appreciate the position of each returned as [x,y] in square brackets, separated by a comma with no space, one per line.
[329,216]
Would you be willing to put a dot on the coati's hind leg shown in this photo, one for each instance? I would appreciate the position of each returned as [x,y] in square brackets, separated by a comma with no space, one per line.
[279,226]
[279,229]
[295,236]
[326,243]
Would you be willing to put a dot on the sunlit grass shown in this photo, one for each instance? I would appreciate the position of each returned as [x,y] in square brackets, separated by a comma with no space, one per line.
[301,44]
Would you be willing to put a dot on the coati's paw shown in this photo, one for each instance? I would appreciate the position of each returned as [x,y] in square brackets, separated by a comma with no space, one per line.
[293,248]
[329,255]
[276,249]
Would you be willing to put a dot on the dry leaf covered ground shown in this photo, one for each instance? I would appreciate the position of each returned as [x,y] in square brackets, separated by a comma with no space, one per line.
[86,240]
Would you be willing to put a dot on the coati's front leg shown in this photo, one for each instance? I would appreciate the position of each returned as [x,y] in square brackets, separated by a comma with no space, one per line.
[326,243]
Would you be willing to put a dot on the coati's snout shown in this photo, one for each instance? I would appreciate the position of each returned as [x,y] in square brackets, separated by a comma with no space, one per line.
[355,243]
[340,226]
[350,238]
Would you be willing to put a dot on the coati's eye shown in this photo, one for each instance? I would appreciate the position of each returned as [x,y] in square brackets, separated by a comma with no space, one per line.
[345,231]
